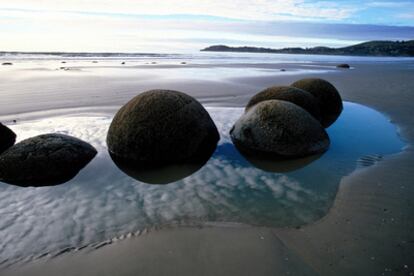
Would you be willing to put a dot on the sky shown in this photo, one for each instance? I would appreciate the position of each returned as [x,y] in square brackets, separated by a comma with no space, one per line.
[176,26]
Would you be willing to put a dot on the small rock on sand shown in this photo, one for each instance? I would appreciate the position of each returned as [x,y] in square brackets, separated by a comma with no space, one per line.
[343,65]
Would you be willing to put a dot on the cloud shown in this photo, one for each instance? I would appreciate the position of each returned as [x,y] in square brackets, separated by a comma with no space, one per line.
[407,16]
[175,26]
[390,4]
[236,9]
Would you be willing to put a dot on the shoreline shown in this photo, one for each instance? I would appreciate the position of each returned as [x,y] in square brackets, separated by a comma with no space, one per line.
[345,241]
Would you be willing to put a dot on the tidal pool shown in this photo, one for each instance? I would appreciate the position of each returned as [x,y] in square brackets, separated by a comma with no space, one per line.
[102,202]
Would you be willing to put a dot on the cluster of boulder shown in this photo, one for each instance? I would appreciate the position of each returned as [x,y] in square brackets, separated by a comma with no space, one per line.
[43,160]
[288,121]
[159,128]
[162,127]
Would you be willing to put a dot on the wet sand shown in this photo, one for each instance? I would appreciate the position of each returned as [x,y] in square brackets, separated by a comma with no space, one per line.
[38,87]
[368,231]
[215,250]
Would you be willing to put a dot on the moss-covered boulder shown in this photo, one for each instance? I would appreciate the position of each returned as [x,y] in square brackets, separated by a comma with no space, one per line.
[330,100]
[279,128]
[7,138]
[291,94]
[161,127]
[48,159]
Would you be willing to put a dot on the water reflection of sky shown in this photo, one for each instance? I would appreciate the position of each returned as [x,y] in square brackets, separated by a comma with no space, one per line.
[102,202]
[219,72]
[164,70]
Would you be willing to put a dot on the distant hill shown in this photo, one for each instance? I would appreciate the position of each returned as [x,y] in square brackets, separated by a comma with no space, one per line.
[371,48]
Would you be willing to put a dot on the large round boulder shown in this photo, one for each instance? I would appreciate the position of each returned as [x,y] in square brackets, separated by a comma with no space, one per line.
[161,127]
[330,101]
[291,94]
[279,128]
[43,160]
[7,138]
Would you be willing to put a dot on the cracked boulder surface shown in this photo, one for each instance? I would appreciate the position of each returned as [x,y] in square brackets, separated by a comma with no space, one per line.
[162,127]
[7,138]
[45,160]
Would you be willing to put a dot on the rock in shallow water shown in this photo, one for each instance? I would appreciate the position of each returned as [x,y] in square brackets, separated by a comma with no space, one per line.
[44,160]
[291,94]
[330,101]
[161,127]
[279,128]
[7,138]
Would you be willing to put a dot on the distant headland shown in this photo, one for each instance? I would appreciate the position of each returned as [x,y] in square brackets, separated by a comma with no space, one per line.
[370,48]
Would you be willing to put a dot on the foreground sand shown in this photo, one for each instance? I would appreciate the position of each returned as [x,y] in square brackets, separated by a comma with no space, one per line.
[220,250]
[369,230]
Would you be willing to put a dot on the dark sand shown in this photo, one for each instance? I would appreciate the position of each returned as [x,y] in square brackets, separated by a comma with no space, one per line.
[369,230]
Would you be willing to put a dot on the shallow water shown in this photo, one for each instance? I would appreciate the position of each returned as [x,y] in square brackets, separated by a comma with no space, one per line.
[204,58]
[102,202]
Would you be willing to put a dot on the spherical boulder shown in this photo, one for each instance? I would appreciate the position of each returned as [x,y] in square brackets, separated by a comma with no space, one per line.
[161,127]
[330,101]
[279,128]
[7,138]
[44,160]
[291,94]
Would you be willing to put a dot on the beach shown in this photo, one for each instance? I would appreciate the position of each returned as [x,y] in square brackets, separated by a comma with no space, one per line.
[369,229]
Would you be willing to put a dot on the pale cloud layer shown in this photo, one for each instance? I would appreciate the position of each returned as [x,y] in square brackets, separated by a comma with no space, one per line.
[175,26]
[236,9]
